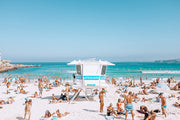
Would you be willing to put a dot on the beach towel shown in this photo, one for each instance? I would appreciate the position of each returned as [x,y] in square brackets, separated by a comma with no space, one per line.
[129,107]
[54,118]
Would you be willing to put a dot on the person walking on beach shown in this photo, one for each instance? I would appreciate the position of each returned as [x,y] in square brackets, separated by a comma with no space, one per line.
[28,109]
[8,85]
[129,107]
[163,104]
[67,90]
[74,77]
[101,97]
[40,86]
[141,81]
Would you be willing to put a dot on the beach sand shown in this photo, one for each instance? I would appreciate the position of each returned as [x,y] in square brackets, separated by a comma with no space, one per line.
[79,110]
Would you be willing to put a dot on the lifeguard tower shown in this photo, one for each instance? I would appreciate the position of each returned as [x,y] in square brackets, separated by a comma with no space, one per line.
[90,74]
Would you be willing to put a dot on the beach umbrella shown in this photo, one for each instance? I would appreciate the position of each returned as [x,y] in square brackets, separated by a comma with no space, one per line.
[163,86]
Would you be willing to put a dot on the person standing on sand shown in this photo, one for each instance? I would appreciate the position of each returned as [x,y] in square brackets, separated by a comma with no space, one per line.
[8,85]
[67,90]
[40,86]
[141,81]
[74,77]
[101,97]
[60,80]
[163,104]
[129,107]
[28,109]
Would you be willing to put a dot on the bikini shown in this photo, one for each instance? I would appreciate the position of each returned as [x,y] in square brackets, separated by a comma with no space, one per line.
[109,112]
[165,106]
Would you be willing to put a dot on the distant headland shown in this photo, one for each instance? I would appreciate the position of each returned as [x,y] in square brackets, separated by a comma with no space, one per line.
[168,61]
[6,66]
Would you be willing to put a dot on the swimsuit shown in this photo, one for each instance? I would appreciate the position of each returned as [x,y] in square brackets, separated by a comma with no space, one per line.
[40,89]
[129,107]
[165,106]
[6,102]
[109,112]
[146,115]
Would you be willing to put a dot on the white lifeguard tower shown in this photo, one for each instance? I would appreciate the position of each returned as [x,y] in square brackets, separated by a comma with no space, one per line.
[90,74]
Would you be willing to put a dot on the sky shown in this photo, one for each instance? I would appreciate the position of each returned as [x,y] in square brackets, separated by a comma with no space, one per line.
[114,30]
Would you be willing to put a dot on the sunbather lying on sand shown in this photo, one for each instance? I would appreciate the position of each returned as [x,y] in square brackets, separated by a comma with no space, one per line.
[176,87]
[148,115]
[60,115]
[177,104]
[144,91]
[9,101]
[35,95]
[22,91]
[48,114]
[144,99]
[47,86]
[171,96]
[55,100]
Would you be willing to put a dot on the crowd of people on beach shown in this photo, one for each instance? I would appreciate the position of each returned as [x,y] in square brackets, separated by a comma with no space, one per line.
[42,84]
[127,97]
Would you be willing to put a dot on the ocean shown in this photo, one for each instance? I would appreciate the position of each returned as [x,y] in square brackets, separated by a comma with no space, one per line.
[120,70]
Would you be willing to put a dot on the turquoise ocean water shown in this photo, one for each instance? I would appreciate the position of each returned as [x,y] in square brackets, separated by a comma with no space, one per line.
[121,69]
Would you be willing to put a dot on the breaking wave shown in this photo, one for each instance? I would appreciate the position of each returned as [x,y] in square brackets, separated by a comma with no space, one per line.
[161,72]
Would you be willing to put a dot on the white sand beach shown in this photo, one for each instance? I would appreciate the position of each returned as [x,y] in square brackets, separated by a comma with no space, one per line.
[79,110]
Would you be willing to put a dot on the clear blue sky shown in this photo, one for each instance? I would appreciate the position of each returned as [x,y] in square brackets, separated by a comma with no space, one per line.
[115,30]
